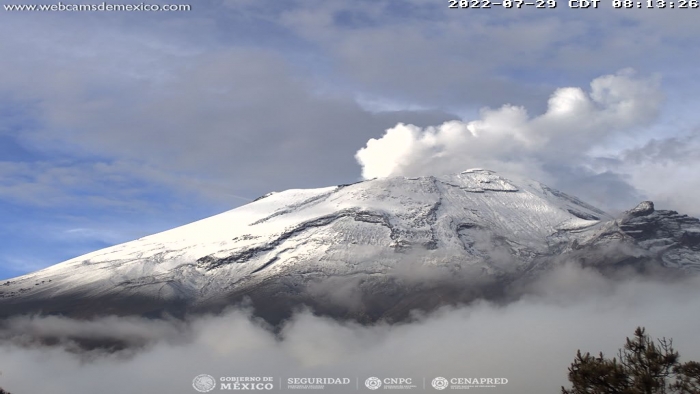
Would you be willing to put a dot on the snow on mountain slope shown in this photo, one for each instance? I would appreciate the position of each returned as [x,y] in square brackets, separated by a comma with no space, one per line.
[288,228]
[469,225]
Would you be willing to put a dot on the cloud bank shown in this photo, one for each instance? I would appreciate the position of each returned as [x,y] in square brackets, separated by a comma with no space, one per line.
[530,342]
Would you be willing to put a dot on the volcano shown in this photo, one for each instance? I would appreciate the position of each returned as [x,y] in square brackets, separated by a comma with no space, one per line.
[377,249]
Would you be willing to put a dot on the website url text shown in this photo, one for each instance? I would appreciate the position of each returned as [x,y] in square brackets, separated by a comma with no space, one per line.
[104,6]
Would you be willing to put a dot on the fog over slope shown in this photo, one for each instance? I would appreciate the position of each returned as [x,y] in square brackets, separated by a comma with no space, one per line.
[530,341]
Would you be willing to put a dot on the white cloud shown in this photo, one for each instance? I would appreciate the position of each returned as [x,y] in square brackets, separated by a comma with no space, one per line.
[530,342]
[510,139]
[574,122]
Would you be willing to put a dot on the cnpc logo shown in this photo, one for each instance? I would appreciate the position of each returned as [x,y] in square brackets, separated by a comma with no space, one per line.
[374,382]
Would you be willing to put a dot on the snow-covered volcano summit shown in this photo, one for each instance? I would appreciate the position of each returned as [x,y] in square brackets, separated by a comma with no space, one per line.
[374,247]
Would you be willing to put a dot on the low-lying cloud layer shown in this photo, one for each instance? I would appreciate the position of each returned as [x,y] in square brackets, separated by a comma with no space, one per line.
[530,342]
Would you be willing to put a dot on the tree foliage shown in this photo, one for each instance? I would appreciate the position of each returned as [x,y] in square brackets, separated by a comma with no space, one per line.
[643,366]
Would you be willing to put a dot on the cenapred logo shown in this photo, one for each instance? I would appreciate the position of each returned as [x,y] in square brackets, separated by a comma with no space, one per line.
[204,383]
[373,383]
[440,383]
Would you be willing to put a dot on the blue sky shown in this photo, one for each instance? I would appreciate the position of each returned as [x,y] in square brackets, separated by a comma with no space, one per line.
[118,125]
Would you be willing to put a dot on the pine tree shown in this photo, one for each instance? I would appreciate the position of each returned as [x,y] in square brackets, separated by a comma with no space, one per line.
[688,378]
[641,367]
